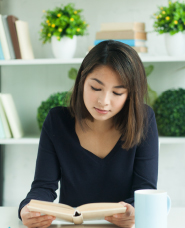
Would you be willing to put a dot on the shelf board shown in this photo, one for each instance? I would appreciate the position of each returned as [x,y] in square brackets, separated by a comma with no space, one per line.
[35,140]
[23,140]
[171,140]
[144,57]
[40,61]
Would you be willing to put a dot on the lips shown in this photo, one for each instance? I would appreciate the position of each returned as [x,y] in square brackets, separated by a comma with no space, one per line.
[102,110]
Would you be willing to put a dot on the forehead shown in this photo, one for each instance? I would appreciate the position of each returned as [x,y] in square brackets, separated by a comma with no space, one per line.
[106,74]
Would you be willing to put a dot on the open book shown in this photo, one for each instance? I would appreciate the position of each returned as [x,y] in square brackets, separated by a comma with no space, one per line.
[77,215]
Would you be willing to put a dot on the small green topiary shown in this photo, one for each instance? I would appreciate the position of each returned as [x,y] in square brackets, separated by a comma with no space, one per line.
[169,110]
[58,99]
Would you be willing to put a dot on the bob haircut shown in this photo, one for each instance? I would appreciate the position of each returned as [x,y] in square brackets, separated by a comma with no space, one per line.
[132,118]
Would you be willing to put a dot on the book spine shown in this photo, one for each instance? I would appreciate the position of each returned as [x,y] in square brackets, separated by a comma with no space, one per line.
[4,119]
[7,33]
[2,133]
[128,42]
[12,115]
[24,39]
[13,33]
[136,26]
[1,52]
[3,40]
[120,35]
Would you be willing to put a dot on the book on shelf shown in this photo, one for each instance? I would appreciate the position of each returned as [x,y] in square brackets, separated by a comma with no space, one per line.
[121,35]
[5,125]
[141,49]
[90,211]
[132,43]
[1,52]
[3,40]
[12,115]
[8,38]
[136,26]
[13,33]
[24,39]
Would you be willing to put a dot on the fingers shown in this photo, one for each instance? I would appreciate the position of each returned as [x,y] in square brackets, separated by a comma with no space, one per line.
[42,224]
[121,222]
[39,221]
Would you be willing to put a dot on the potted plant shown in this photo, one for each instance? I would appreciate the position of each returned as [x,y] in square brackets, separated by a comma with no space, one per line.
[170,21]
[169,111]
[54,100]
[61,26]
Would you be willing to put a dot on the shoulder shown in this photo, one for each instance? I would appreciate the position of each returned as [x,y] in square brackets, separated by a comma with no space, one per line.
[149,112]
[58,116]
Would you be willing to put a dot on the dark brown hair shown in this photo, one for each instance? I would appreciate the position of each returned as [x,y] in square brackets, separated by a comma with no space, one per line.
[132,119]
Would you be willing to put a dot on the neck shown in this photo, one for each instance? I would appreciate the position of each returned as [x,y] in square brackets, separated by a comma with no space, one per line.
[100,127]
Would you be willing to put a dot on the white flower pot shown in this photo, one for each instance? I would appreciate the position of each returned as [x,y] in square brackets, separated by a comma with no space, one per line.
[175,44]
[65,48]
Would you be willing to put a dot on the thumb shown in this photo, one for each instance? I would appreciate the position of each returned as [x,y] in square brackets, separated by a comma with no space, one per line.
[123,203]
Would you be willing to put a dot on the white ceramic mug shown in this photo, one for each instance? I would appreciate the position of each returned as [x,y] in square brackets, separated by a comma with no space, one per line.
[151,208]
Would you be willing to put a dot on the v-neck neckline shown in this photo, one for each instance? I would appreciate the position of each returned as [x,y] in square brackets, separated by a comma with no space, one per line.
[91,154]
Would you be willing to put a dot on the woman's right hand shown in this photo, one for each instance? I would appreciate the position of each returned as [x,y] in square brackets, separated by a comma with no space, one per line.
[35,219]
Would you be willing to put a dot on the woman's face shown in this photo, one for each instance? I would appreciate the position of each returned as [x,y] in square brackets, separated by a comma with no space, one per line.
[103,90]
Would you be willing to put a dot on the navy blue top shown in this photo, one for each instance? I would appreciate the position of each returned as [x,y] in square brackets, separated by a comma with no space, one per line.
[84,177]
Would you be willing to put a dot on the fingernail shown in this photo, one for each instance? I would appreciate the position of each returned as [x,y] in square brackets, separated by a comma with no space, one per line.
[37,214]
[115,216]
[50,217]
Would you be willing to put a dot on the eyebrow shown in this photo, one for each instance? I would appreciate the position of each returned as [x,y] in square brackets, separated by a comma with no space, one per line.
[120,86]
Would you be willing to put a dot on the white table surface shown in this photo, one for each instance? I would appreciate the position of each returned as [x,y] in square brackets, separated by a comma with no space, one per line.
[9,219]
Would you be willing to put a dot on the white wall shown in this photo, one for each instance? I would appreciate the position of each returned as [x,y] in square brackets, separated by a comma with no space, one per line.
[30,85]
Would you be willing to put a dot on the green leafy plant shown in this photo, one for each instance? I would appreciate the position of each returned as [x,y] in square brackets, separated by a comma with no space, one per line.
[170,19]
[57,99]
[169,110]
[151,93]
[62,21]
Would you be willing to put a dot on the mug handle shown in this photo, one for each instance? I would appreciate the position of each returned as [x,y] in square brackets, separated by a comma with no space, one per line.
[168,204]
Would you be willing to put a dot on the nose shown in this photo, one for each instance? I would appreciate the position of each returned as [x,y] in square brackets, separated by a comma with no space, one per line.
[104,99]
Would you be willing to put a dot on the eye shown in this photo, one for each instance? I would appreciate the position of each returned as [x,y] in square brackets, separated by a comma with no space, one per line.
[95,89]
[118,94]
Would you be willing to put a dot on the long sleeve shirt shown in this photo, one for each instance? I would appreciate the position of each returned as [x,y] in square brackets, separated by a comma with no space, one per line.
[83,176]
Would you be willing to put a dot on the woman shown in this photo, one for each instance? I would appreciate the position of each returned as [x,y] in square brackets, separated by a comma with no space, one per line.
[104,146]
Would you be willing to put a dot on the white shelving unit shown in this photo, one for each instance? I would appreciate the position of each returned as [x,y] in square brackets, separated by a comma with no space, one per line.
[35,140]
[144,57]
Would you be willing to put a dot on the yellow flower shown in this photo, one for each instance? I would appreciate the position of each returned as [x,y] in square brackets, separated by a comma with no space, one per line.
[53,26]
[58,37]
[75,12]
[49,24]
[176,22]
[169,3]
[78,29]
[43,11]
[160,15]
[49,34]
[167,18]
[41,30]
[84,22]
[71,19]
[60,30]
[58,15]
[161,8]
[163,12]
[47,21]
[157,17]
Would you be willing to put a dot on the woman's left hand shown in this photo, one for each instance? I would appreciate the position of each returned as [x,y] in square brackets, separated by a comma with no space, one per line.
[125,220]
